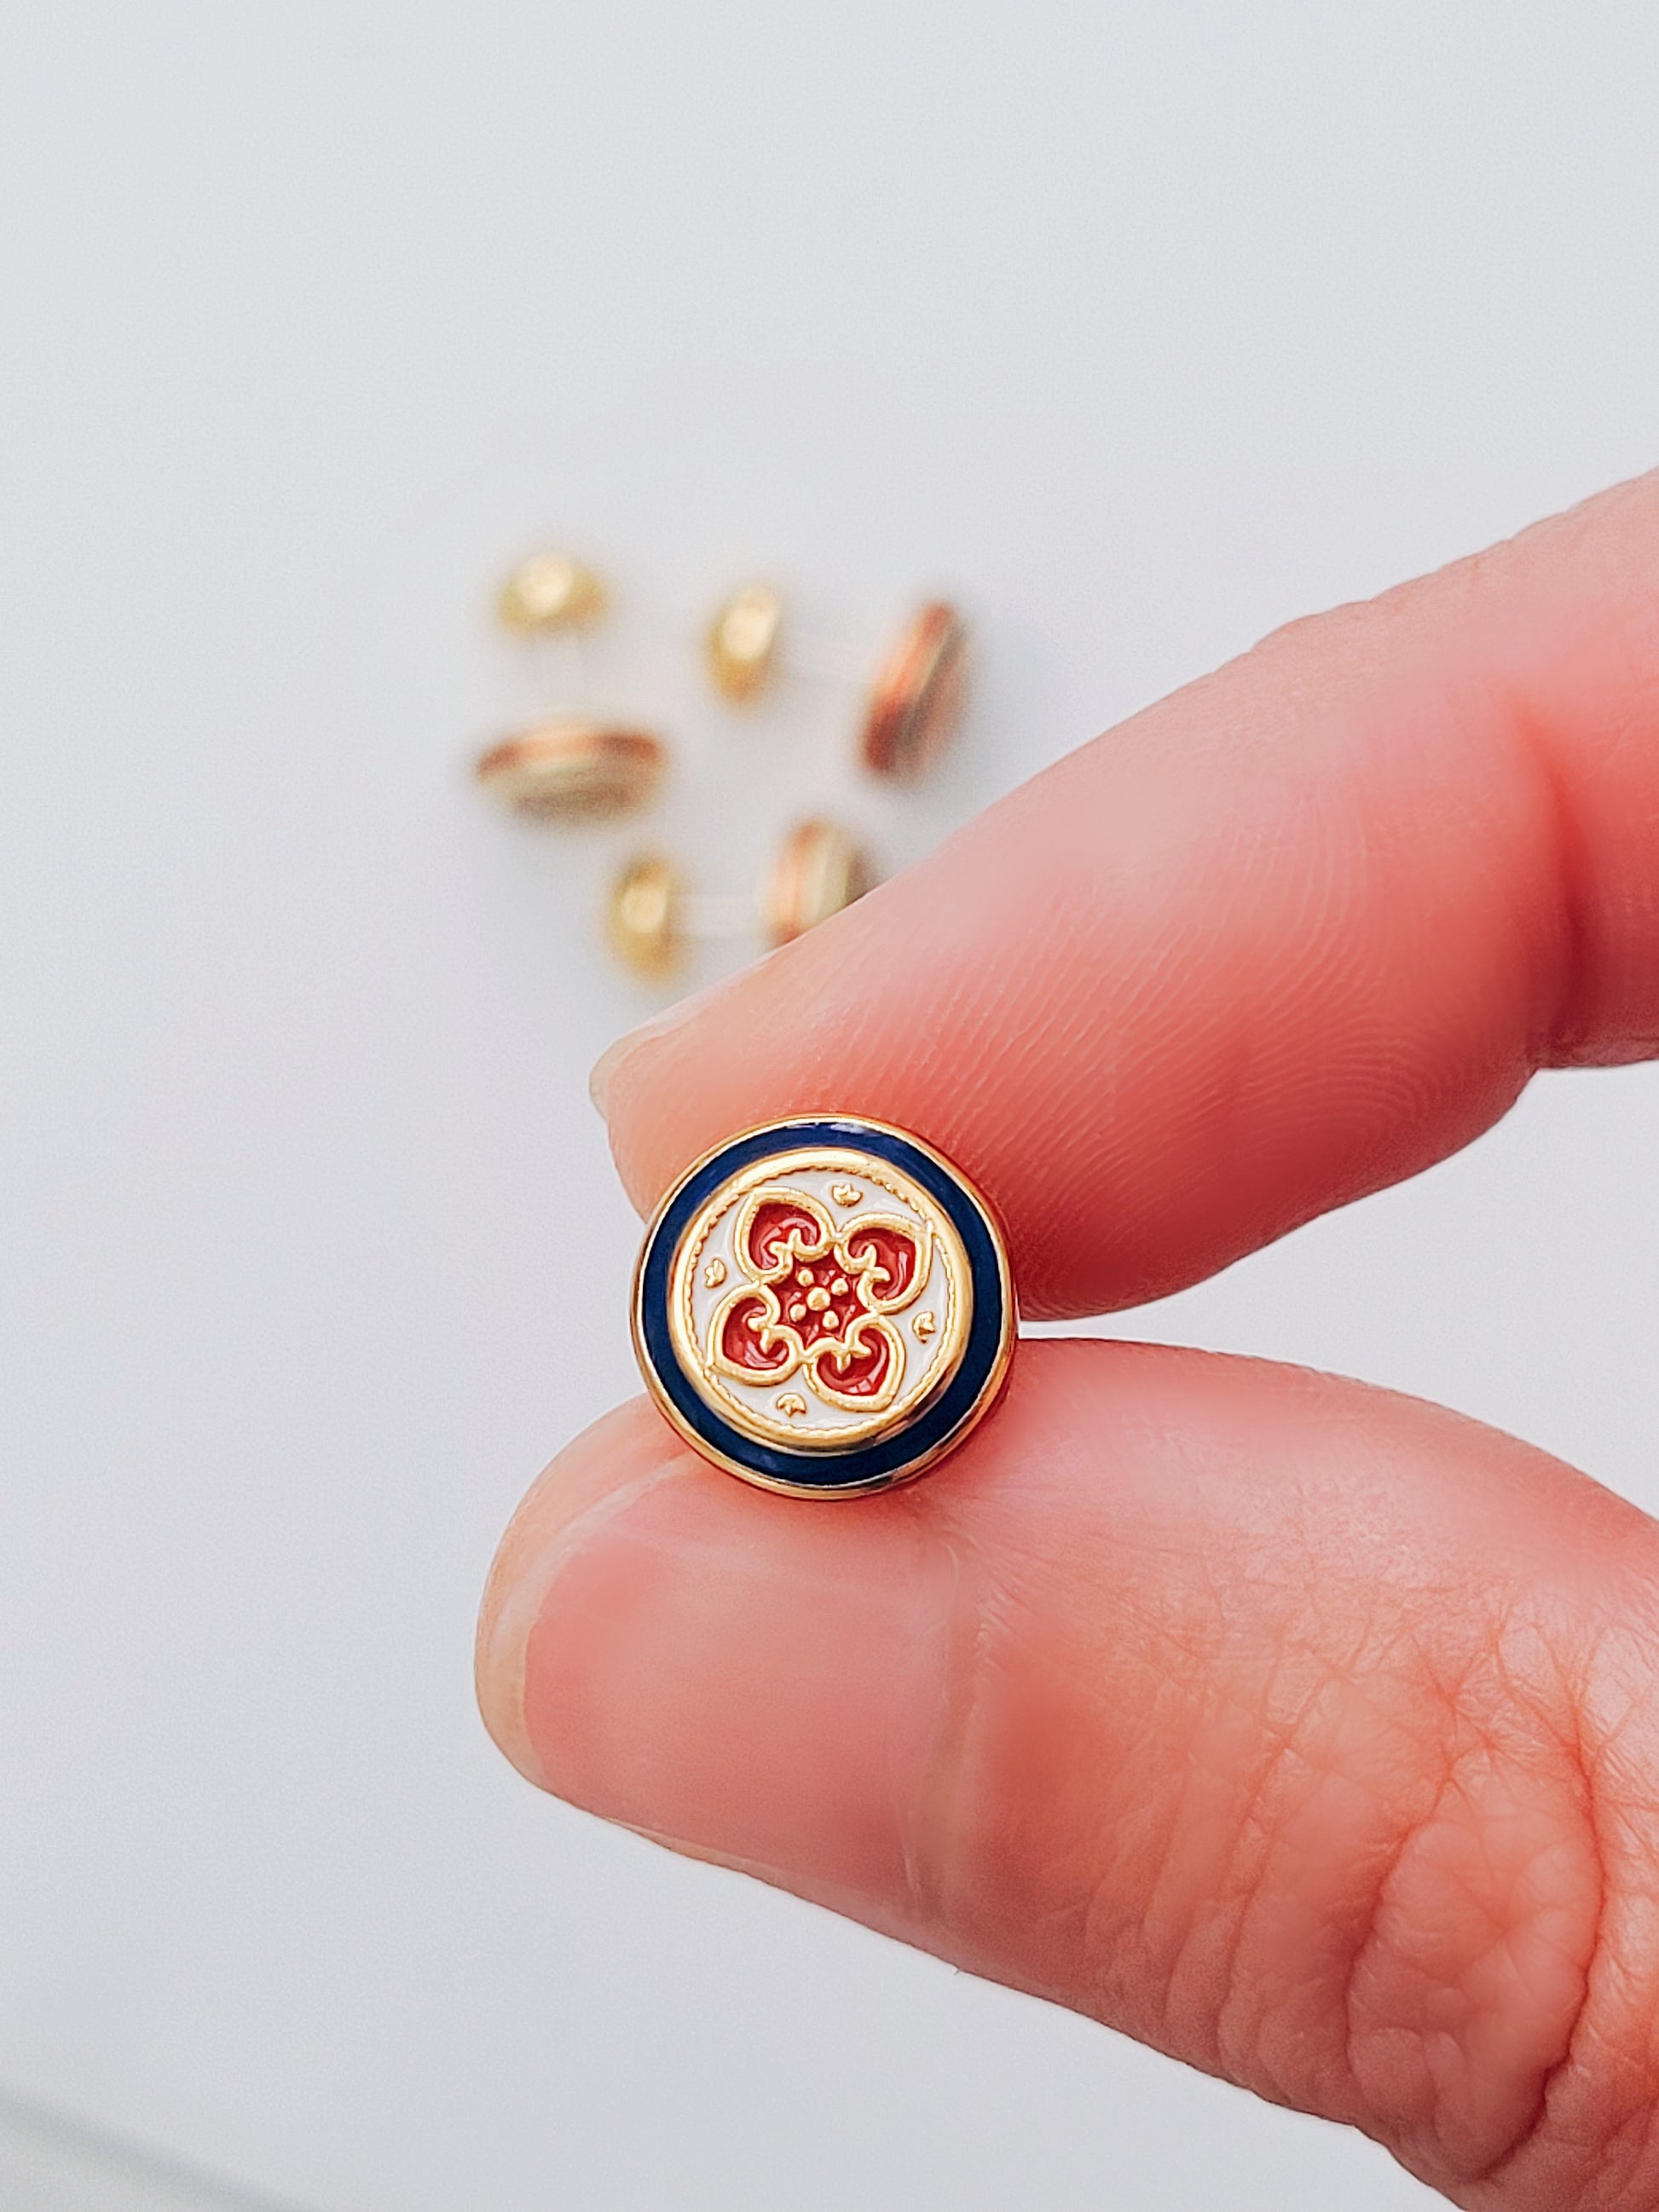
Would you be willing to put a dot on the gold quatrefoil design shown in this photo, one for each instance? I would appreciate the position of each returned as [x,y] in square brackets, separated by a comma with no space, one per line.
[816,1298]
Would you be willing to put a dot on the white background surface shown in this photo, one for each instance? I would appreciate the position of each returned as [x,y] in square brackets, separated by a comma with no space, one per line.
[1148,327]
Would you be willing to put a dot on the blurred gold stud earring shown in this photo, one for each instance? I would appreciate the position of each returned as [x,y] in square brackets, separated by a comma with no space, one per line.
[917,700]
[552,591]
[567,767]
[574,771]
[817,871]
[913,708]
[748,645]
[743,643]
[653,920]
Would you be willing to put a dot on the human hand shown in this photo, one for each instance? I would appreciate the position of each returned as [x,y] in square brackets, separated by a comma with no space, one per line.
[1302,1730]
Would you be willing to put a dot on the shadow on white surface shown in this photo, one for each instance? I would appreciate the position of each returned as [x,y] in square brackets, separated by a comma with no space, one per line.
[48,2165]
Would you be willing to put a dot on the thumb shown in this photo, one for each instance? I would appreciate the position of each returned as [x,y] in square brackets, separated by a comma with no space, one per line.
[1297,1729]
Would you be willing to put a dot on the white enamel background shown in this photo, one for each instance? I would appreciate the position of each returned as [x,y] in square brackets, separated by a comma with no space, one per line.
[1146,327]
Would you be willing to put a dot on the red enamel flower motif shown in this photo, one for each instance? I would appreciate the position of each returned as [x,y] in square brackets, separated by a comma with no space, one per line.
[816,1298]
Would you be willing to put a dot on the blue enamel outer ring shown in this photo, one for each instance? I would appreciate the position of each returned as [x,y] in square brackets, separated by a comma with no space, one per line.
[891,1459]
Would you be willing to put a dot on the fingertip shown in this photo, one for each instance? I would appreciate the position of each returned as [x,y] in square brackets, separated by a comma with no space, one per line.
[597,1475]
[609,1070]
[746,1677]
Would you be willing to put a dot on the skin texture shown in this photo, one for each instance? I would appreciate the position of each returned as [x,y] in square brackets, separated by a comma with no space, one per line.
[1301,1731]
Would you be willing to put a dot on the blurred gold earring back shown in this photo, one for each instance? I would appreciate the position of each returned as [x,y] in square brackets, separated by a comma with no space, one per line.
[551,592]
[742,645]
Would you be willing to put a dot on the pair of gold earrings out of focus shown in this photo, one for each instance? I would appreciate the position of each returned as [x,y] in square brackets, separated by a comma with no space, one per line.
[584,768]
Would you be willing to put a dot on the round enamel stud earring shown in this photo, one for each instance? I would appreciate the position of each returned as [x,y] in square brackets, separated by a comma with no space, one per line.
[824,1307]
[571,769]
[913,708]
[652,918]
[917,700]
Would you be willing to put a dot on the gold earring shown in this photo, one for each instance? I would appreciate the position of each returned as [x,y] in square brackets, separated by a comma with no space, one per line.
[573,770]
[912,709]
[824,1306]
[552,591]
[651,918]
[917,700]
[817,869]
[743,642]
[568,766]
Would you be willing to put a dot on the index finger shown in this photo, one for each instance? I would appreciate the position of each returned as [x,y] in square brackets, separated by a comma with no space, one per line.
[1295,934]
